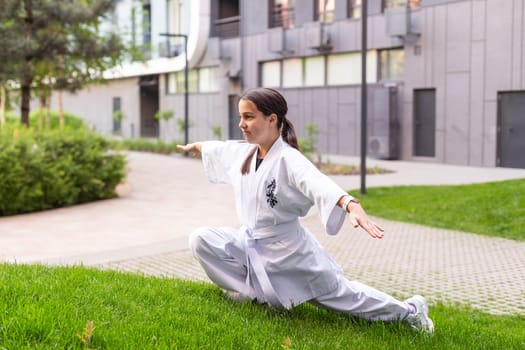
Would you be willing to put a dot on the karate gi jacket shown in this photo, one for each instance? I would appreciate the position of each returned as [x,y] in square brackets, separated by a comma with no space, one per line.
[269,201]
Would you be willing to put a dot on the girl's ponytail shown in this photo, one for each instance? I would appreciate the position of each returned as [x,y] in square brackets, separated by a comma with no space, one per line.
[245,168]
[288,133]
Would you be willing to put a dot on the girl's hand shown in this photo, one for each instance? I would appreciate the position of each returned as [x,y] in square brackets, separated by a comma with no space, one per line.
[196,146]
[358,218]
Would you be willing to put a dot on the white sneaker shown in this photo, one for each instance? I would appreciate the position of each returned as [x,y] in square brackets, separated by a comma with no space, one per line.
[419,320]
[236,296]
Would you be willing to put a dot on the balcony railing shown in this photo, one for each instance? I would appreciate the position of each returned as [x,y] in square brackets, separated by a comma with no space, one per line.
[282,17]
[226,27]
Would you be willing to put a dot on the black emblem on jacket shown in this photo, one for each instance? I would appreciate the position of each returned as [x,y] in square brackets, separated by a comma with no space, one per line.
[270,194]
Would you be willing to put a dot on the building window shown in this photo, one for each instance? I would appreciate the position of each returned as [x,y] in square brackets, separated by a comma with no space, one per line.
[271,74]
[330,70]
[176,82]
[391,64]
[345,69]
[133,25]
[209,79]
[371,66]
[193,81]
[176,16]
[324,10]
[413,4]
[199,81]
[292,72]
[146,22]
[354,9]
[314,71]
[226,19]
[303,72]
[174,46]
[117,114]
[282,13]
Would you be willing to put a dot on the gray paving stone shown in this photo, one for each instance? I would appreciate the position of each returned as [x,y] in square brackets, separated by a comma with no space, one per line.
[145,231]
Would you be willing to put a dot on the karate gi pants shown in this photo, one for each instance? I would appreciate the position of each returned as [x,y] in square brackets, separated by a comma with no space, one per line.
[229,272]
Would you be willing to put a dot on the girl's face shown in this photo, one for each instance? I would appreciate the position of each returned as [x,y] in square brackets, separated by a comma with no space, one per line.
[256,127]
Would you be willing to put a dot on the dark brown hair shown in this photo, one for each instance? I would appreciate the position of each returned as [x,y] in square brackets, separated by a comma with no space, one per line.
[270,101]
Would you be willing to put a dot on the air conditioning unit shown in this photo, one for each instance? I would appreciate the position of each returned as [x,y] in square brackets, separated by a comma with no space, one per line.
[170,50]
[214,48]
[318,37]
[378,147]
[403,23]
[276,39]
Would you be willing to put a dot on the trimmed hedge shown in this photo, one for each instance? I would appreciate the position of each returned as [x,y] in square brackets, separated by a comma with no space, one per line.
[56,168]
[146,145]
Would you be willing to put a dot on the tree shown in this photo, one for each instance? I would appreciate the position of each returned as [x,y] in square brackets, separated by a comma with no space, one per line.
[56,44]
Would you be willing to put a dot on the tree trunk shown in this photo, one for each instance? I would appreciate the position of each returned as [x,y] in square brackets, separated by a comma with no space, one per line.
[27,77]
[26,93]
[60,110]
[60,102]
[2,105]
[48,110]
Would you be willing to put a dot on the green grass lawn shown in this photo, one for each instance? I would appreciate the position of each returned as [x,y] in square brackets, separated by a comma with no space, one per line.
[45,308]
[51,308]
[493,209]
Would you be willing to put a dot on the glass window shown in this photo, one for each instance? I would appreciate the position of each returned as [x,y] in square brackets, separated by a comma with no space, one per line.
[193,80]
[371,66]
[117,111]
[176,24]
[178,86]
[209,79]
[392,64]
[354,8]
[146,23]
[345,69]
[175,16]
[271,74]
[226,23]
[314,71]
[282,13]
[413,4]
[325,10]
[292,72]
[171,85]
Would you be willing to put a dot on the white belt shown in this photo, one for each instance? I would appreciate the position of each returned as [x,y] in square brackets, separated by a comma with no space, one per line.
[255,262]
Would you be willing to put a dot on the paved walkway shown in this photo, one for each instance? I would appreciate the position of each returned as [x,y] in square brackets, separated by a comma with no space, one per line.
[166,197]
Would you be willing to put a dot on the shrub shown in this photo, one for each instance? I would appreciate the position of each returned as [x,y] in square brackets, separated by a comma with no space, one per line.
[164,115]
[217,131]
[308,144]
[146,145]
[57,168]
[71,121]
[11,118]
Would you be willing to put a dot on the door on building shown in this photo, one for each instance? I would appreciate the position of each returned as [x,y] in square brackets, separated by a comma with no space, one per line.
[425,122]
[149,105]
[234,132]
[511,129]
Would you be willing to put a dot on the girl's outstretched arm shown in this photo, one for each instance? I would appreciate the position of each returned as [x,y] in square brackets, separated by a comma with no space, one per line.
[196,146]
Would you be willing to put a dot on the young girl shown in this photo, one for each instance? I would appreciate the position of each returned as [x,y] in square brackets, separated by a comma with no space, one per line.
[272,258]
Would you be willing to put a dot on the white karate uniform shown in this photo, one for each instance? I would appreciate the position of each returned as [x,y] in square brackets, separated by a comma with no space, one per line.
[272,258]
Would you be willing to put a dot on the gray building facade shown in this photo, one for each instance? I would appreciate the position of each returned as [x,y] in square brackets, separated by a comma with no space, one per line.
[446,78]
